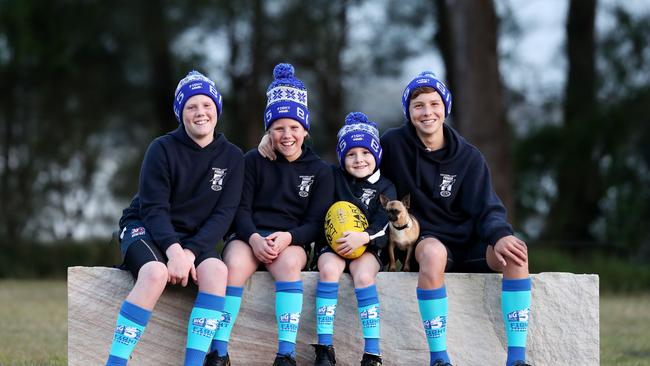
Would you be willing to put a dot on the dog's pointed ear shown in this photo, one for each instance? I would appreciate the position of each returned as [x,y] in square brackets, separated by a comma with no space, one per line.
[384,200]
[406,200]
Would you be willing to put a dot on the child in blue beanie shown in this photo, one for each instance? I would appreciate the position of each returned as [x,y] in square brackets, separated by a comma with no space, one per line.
[463,224]
[281,213]
[170,231]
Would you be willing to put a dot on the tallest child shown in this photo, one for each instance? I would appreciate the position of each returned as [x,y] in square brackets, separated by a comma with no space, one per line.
[463,224]
[281,212]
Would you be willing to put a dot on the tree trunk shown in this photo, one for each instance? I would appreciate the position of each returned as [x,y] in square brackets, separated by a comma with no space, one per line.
[578,184]
[477,110]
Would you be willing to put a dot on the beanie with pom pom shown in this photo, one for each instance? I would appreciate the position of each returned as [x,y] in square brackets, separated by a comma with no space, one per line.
[287,97]
[358,131]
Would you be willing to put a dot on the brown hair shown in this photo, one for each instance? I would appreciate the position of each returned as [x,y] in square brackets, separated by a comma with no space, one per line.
[421,90]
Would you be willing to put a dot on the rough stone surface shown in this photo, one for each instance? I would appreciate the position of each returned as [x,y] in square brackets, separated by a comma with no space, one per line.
[563,329]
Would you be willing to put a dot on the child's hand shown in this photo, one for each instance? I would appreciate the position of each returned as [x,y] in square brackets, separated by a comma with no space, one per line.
[178,265]
[279,240]
[513,248]
[265,147]
[191,257]
[261,249]
[351,240]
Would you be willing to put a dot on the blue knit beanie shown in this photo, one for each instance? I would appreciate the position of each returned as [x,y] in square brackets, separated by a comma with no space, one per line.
[358,132]
[426,78]
[287,98]
[192,84]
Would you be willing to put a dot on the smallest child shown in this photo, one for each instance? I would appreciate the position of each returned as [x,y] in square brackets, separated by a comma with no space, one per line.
[357,180]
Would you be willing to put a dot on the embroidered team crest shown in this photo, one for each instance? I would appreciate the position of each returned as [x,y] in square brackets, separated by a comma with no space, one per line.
[448,181]
[305,185]
[217,178]
[367,195]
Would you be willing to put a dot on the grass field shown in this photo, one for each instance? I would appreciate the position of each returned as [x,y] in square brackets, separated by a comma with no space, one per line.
[33,326]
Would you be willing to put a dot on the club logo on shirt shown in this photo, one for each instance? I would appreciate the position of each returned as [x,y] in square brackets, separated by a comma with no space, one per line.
[448,181]
[217,178]
[305,185]
[367,195]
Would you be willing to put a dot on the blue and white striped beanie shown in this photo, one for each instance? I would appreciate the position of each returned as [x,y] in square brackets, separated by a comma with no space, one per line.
[192,84]
[287,98]
[358,132]
[426,78]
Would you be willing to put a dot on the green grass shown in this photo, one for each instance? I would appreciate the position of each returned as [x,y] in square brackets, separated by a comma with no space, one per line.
[33,315]
[625,330]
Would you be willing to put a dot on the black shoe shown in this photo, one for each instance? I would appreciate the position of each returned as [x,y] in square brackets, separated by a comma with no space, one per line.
[284,360]
[370,360]
[213,359]
[441,362]
[325,355]
[520,363]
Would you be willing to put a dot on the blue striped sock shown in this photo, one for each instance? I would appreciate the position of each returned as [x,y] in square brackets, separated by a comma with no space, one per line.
[370,315]
[131,322]
[433,310]
[288,306]
[326,299]
[515,305]
[203,323]
[230,312]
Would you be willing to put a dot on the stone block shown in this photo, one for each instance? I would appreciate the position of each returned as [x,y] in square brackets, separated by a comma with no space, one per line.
[563,329]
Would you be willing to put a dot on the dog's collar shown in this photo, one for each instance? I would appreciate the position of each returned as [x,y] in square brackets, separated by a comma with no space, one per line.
[408,224]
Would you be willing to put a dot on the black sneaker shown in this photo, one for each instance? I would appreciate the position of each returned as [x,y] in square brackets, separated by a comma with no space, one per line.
[284,360]
[370,360]
[213,359]
[325,355]
[520,363]
[441,362]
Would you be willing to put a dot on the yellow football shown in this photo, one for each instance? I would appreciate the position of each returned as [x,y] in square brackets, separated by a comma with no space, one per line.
[344,216]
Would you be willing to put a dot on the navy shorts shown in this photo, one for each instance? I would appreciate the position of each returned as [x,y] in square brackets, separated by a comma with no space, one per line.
[468,258]
[138,248]
[262,266]
[328,249]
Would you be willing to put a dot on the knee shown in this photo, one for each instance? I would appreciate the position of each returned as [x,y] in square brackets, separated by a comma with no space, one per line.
[363,279]
[213,268]
[329,271]
[153,274]
[432,259]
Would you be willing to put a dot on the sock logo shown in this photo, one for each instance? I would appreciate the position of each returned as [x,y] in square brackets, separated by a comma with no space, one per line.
[289,322]
[327,310]
[518,320]
[204,326]
[436,327]
[225,320]
[127,335]
[370,316]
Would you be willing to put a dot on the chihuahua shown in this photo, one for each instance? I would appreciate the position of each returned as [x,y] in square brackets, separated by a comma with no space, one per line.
[403,228]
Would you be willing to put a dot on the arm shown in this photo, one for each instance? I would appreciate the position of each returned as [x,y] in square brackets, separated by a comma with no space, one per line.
[480,201]
[320,200]
[154,193]
[265,147]
[244,225]
[215,226]
[378,221]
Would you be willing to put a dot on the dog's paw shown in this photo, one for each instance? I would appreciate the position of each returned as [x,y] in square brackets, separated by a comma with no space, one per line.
[406,268]
[392,268]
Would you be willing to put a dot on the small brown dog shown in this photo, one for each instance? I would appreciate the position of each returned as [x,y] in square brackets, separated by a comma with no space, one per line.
[403,229]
